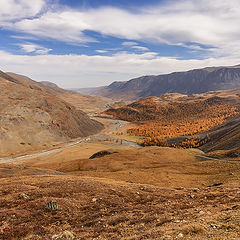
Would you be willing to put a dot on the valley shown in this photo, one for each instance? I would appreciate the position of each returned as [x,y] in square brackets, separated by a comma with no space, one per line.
[119,120]
[104,136]
[186,121]
[121,171]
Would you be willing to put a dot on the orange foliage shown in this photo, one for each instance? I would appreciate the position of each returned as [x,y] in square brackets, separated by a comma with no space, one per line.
[154,141]
[157,122]
[194,142]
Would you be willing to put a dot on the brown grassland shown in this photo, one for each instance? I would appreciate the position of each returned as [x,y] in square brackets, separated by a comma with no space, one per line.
[148,193]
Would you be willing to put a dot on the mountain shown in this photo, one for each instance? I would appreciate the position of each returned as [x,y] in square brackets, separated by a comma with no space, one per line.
[82,102]
[32,116]
[29,83]
[190,82]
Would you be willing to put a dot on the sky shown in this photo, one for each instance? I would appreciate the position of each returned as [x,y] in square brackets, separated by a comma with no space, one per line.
[89,43]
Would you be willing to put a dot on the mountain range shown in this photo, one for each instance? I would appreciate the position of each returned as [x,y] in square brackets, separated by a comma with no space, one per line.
[189,82]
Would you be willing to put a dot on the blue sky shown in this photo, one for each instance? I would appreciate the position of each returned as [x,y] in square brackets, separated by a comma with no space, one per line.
[87,43]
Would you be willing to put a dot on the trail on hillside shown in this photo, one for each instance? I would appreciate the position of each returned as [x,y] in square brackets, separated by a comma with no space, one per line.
[113,125]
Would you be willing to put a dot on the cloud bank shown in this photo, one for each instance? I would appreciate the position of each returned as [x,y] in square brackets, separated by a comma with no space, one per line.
[209,27]
[74,71]
[176,22]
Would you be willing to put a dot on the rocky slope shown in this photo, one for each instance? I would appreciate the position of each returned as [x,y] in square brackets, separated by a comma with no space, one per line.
[33,117]
[190,82]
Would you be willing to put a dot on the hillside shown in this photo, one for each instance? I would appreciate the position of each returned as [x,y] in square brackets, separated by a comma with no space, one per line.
[143,193]
[190,82]
[128,193]
[29,83]
[186,120]
[82,102]
[225,136]
[32,116]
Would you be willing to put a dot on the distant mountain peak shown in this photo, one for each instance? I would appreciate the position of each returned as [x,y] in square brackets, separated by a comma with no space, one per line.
[189,82]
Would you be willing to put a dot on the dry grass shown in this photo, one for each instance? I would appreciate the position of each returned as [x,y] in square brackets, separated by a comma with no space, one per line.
[147,193]
[193,229]
[166,167]
[115,212]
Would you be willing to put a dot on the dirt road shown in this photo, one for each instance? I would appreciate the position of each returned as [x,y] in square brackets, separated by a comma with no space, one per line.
[112,125]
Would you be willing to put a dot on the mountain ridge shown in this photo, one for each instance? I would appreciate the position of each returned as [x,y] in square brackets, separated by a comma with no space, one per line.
[186,82]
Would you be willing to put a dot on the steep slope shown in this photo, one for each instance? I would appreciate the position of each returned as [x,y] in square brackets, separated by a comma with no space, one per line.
[29,83]
[190,82]
[32,117]
[224,137]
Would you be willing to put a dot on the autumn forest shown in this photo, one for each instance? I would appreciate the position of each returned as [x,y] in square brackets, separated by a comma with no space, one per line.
[174,123]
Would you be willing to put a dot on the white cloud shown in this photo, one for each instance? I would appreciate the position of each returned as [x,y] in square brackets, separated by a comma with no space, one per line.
[176,22]
[34,48]
[186,23]
[128,43]
[24,37]
[140,48]
[18,9]
[64,26]
[135,45]
[77,70]
[101,51]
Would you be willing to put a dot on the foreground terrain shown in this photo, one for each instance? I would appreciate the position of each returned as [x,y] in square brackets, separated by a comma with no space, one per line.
[146,193]
[119,210]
